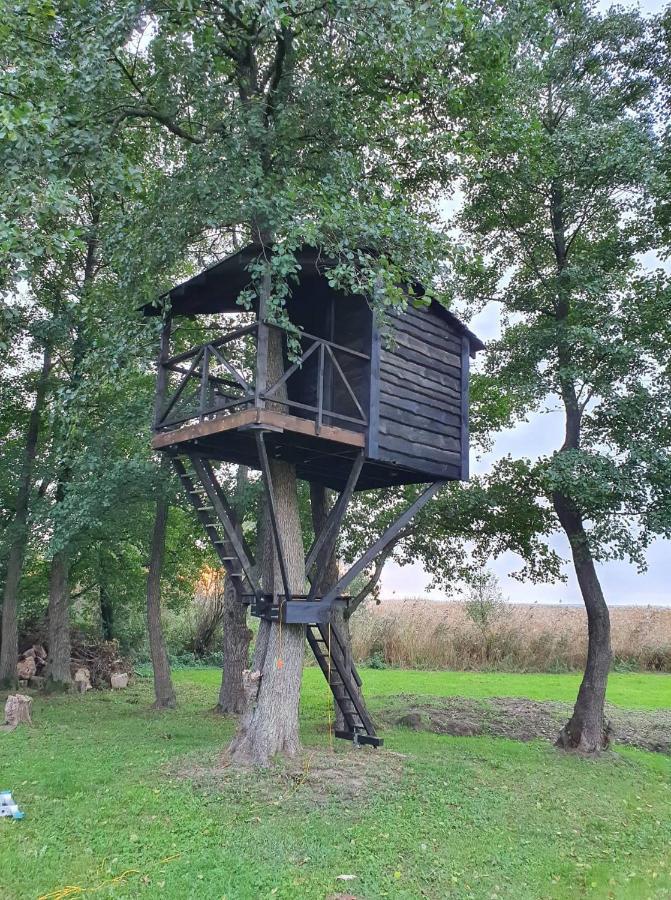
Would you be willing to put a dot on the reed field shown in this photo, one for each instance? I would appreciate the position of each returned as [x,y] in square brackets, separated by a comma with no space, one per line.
[425,634]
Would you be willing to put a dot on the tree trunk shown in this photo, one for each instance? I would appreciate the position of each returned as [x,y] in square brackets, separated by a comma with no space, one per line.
[9,648]
[235,652]
[236,634]
[271,725]
[163,689]
[106,611]
[58,660]
[319,506]
[586,730]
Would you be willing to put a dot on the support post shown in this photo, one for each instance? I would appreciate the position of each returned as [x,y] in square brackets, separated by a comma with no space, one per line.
[464,439]
[382,541]
[325,541]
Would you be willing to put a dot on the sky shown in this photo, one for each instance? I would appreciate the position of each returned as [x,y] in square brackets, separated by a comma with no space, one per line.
[622,584]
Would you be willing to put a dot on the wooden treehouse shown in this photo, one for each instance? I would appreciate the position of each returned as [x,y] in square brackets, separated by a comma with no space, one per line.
[359,406]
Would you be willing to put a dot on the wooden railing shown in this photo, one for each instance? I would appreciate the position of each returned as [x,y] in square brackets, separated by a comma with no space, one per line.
[326,355]
[221,384]
[214,381]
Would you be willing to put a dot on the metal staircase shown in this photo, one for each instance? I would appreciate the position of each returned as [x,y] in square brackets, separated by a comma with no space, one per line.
[327,646]
[206,496]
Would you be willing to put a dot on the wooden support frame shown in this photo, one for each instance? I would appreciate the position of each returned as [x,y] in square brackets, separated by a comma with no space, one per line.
[383,541]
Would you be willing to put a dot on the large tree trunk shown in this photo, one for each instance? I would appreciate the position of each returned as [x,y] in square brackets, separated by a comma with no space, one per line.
[58,660]
[236,634]
[327,578]
[271,725]
[586,730]
[164,692]
[10,638]
[235,653]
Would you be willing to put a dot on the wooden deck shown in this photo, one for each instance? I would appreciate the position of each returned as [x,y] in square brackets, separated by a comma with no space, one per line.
[275,421]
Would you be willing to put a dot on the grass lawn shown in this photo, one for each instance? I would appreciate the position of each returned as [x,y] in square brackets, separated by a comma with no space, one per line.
[111,789]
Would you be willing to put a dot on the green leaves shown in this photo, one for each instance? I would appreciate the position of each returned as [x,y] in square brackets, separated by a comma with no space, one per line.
[559,172]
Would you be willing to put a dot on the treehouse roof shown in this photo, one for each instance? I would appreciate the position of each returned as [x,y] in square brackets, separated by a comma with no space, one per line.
[217,288]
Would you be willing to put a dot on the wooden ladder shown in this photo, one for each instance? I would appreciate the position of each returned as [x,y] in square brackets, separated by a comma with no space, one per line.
[204,492]
[327,646]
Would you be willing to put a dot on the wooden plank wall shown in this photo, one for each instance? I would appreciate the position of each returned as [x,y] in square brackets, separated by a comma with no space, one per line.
[420,394]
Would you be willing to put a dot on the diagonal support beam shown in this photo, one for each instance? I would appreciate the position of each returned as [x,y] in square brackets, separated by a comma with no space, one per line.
[208,480]
[272,509]
[382,541]
[207,465]
[325,542]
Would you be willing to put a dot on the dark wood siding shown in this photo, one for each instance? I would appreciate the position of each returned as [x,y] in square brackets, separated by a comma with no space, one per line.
[420,395]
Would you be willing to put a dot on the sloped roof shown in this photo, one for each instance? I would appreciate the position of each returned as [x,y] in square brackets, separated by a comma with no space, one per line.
[217,288]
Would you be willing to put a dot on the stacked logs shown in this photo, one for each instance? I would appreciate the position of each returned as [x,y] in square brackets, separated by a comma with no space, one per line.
[93,664]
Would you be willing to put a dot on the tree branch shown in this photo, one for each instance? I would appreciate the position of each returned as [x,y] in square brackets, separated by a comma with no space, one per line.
[143,112]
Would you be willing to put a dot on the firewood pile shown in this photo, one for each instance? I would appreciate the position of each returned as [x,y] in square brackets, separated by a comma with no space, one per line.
[93,664]
[31,665]
[102,660]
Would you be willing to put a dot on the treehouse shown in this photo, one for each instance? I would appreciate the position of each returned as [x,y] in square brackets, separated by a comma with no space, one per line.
[398,392]
[357,404]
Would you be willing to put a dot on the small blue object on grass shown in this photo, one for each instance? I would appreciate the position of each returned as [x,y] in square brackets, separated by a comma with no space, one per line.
[8,807]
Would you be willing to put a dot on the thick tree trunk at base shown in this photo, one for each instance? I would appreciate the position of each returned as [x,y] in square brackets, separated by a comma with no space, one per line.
[235,652]
[586,731]
[163,689]
[10,633]
[59,652]
[9,646]
[270,726]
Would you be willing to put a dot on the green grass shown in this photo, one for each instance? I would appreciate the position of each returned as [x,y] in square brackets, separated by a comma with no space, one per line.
[631,691]
[466,817]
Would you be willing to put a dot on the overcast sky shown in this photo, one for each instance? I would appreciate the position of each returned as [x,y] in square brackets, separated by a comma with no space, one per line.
[622,584]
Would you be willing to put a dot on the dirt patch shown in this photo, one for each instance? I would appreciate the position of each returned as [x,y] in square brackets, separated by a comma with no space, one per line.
[316,776]
[522,720]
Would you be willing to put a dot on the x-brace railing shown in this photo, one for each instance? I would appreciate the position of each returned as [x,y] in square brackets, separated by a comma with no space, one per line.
[326,351]
[232,388]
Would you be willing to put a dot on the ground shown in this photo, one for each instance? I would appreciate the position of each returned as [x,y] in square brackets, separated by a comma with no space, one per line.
[130,803]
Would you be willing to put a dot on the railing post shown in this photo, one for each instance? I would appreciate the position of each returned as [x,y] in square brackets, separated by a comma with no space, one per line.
[162,373]
[204,378]
[320,389]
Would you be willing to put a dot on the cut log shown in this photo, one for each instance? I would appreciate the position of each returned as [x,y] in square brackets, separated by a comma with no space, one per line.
[119,680]
[82,680]
[26,668]
[17,711]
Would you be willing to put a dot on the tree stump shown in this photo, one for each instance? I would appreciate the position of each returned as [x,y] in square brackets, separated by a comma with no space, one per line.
[17,711]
